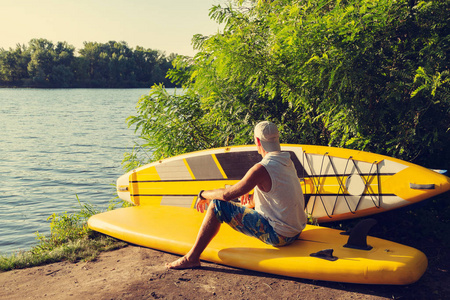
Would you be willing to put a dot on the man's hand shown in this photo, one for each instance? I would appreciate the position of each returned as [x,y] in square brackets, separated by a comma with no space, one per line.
[202,205]
[247,200]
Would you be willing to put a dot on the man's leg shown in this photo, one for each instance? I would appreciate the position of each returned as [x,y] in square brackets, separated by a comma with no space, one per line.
[210,227]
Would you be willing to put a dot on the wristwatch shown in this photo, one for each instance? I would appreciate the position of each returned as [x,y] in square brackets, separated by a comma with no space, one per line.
[200,195]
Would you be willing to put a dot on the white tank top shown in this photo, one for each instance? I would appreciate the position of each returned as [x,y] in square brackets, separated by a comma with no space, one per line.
[283,206]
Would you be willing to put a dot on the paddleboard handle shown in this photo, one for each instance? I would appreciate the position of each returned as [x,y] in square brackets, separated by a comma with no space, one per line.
[122,189]
[421,186]
[358,235]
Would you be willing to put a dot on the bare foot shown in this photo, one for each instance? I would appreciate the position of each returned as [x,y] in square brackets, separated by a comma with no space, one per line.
[183,263]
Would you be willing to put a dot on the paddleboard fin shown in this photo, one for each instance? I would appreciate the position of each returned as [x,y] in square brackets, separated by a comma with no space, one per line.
[358,235]
[326,254]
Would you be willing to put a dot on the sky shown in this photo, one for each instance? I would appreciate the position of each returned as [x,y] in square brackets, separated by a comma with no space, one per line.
[166,25]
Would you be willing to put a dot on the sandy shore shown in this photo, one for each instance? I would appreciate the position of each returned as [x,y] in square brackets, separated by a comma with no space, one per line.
[138,273]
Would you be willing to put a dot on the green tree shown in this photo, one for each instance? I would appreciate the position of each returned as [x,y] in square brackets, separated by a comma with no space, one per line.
[112,64]
[62,74]
[120,56]
[13,64]
[115,64]
[41,62]
[145,62]
[97,61]
[370,75]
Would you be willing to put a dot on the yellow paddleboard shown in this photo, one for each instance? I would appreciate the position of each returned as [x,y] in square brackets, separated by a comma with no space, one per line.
[174,229]
[337,183]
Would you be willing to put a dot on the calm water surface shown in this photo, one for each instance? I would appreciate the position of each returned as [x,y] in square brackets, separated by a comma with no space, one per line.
[54,145]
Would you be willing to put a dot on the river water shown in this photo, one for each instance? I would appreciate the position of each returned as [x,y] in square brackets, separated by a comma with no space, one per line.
[56,144]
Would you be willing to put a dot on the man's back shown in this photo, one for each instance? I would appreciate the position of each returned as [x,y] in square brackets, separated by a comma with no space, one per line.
[283,205]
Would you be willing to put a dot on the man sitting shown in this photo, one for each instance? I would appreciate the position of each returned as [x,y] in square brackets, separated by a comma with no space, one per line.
[278,216]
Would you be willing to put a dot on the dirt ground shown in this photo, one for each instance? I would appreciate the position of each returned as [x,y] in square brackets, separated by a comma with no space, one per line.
[138,273]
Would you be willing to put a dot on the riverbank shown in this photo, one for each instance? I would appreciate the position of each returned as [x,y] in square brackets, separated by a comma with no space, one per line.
[138,273]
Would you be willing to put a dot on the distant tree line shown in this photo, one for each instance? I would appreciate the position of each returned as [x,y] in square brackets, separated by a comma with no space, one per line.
[98,65]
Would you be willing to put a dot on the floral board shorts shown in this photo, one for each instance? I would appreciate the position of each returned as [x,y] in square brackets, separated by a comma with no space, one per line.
[249,222]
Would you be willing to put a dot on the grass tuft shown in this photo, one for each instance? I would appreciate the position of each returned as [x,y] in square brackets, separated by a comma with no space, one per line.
[70,239]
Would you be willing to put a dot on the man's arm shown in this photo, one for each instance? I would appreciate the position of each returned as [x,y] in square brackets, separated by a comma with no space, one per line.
[256,176]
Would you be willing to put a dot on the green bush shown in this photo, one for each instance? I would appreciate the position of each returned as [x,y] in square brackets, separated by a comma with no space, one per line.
[362,74]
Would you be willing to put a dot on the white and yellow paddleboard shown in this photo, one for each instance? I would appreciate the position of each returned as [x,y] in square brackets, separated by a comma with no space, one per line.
[174,229]
[337,183]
